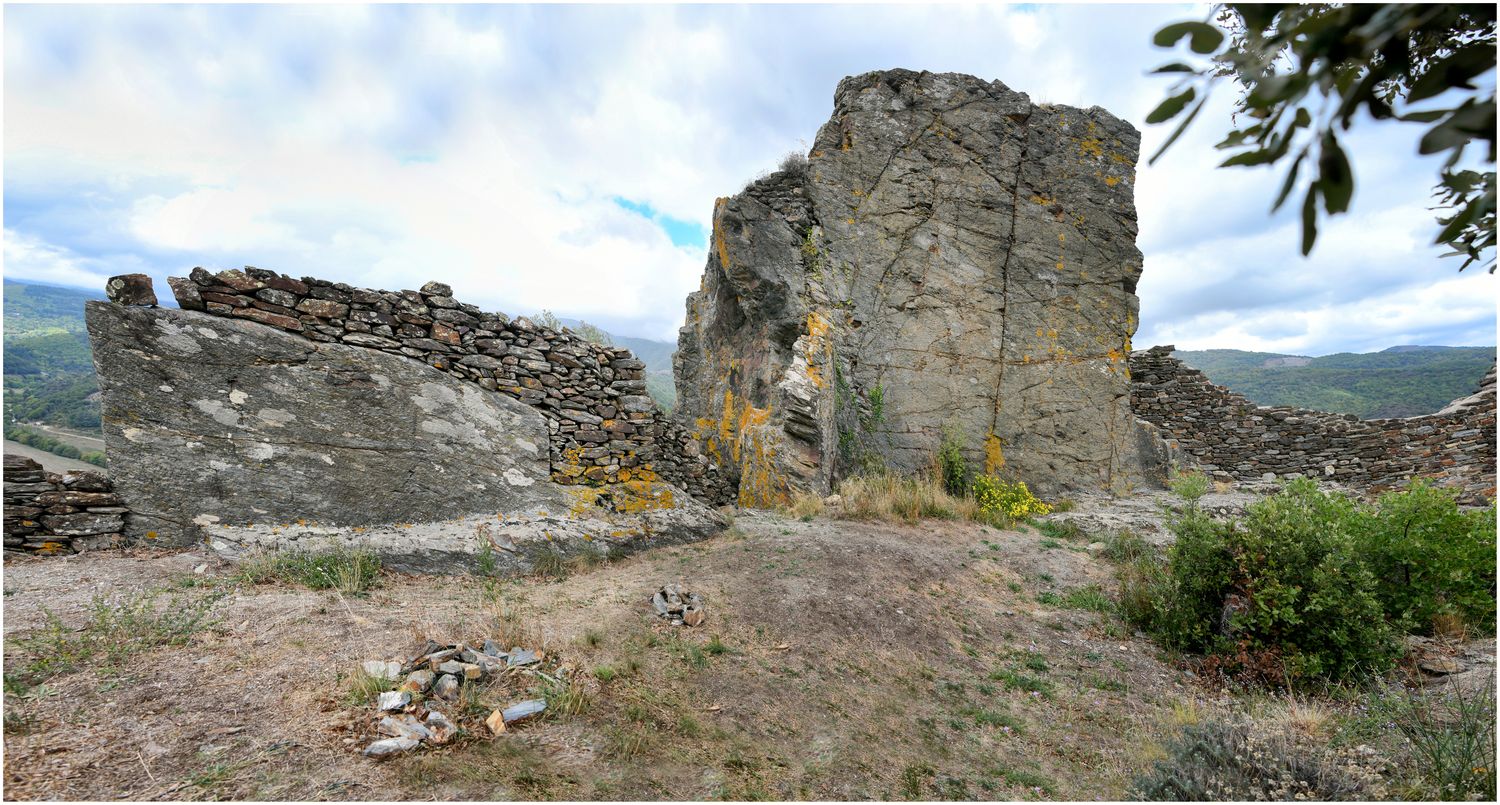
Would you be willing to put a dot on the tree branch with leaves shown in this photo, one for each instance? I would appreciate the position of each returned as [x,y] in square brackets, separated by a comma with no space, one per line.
[1304,72]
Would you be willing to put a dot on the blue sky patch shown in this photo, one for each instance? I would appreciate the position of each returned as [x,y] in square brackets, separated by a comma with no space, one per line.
[682,233]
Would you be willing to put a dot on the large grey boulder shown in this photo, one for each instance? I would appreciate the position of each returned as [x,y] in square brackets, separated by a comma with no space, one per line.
[950,256]
[244,436]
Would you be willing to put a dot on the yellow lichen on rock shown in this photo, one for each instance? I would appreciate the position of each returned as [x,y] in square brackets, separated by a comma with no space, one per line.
[994,454]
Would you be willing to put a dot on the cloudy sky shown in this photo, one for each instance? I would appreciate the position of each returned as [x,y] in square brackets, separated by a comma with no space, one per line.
[567,157]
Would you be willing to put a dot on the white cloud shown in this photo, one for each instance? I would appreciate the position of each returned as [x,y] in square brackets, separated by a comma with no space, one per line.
[388,145]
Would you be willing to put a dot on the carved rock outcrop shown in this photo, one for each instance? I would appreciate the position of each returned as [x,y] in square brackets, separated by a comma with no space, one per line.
[951,256]
[228,431]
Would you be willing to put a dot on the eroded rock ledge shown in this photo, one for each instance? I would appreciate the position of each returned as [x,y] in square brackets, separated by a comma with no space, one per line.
[950,256]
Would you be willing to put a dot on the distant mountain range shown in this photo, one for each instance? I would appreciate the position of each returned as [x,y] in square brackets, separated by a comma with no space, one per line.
[49,372]
[1397,382]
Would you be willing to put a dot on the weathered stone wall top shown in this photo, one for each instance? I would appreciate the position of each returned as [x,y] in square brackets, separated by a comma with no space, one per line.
[1233,438]
[604,428]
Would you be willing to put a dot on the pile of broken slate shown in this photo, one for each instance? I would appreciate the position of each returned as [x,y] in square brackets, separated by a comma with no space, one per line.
[433,674]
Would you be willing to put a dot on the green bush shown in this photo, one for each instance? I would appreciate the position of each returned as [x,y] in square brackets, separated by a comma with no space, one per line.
[954,468]
[1430,559]
[1283,594]
[1190,486]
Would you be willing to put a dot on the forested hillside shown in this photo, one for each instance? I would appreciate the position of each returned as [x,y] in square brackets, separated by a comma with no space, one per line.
[1397,382]
[49,371]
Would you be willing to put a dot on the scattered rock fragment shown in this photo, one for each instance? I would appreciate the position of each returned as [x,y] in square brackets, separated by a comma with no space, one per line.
[393,700]
[496,722]
[446,687]
[521,711]
[380,669]
[519,657]
[390,747]
[440,729]
[418,681]
[404,726]
[131,289]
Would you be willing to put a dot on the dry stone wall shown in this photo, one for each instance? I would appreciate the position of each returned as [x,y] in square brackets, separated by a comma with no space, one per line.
[49,513]
[1233,438]
[604,428]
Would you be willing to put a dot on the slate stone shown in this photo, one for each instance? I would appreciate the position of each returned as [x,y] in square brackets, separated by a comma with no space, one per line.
[130,289]
[283,429]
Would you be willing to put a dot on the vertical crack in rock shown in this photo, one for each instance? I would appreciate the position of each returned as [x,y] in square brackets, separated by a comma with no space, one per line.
[1015,210]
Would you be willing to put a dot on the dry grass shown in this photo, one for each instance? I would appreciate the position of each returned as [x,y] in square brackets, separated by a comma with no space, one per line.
[1302,716]
[895,498]
[805,506]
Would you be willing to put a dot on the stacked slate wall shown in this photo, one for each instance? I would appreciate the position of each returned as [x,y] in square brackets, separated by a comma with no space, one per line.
[47,513]
[1232,438]
[604,428]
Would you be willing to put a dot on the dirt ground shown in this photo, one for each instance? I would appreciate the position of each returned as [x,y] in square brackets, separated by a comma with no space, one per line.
[839,660]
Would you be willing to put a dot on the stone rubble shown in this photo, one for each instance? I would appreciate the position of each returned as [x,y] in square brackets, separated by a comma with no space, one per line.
[677,607]
[433,673]
[49,513]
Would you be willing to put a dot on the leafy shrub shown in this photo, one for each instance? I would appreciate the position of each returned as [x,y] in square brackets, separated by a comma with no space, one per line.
[1012,500]
[1284,593]
[952,466]
[1430,559]
[1190,486]
[1219,761]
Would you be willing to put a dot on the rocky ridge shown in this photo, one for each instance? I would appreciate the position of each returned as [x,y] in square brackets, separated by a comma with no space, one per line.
[949,257]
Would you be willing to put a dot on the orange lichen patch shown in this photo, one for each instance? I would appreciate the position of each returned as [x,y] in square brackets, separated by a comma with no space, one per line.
[817,343]
[1044,200]
[1091,147]
[1112,180]
[994,454]
[726,423]
[719,246]
[585,498]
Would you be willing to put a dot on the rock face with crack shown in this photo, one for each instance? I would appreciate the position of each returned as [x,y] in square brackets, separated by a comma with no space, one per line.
[951,256]
[230,432]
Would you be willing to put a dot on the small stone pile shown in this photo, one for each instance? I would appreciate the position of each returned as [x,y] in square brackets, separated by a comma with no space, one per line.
[677,607]
[434,673]
[47,513]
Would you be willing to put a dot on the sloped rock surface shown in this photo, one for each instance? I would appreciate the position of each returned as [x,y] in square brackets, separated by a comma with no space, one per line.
[951,256]
[226,431]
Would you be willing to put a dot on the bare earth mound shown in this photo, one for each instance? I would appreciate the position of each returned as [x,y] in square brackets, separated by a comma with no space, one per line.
[839,660]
